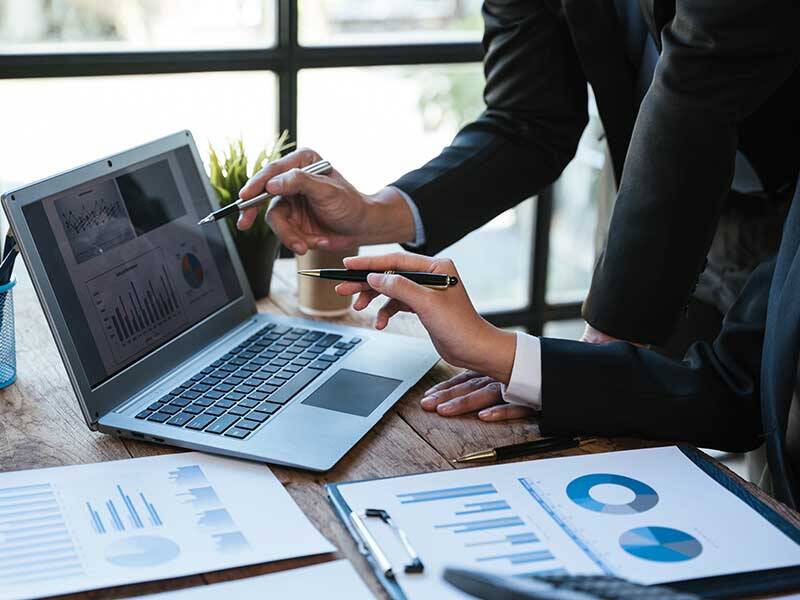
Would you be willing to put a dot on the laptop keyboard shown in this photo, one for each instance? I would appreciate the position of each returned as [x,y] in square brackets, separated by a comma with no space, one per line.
[238,393]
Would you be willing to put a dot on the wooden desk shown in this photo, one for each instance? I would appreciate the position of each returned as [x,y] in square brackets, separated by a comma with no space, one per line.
[41,426]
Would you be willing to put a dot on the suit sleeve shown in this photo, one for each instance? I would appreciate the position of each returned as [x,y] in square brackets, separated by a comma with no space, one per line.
[720,62]
[536,99]
[711,398]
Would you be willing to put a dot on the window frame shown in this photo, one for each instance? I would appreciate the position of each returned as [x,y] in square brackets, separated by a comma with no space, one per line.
[286,59]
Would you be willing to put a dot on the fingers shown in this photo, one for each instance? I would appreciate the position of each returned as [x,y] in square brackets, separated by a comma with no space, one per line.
[478,400]
[387,311]
[397,261]
[295,182]
[453,381]
[278,218]
[247,218]
[404,290]
[505,412]
[433,399]
[294,160]
[348,288]
[364,299]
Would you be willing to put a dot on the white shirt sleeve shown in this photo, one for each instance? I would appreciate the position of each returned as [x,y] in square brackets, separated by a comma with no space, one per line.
[525,385]
[419,228]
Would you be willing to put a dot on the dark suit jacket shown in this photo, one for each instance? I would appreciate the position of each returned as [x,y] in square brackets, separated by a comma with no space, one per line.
[725,79]
[734,394]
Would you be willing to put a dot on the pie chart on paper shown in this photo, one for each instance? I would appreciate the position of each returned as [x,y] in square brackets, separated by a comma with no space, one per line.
[642,496]
[660,544]
[142,551]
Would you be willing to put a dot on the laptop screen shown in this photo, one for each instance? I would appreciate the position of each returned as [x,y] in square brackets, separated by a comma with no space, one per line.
[129,264]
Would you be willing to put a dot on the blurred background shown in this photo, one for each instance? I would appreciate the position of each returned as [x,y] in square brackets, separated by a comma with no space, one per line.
[378,87]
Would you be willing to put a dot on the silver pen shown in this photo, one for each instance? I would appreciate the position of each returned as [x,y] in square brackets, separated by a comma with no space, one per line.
[318,168]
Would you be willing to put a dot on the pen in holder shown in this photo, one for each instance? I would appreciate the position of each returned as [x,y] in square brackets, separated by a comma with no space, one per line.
[8,346]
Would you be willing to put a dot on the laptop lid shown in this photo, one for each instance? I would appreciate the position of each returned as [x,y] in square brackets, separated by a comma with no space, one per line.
[130,284]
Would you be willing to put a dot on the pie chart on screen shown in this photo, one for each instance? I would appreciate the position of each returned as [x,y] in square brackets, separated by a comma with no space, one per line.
[660,544]
[192,270]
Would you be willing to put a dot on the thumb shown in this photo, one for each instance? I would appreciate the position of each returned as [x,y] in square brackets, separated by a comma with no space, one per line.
[399,288]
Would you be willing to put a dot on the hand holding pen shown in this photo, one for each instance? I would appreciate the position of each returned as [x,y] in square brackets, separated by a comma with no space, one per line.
[318,168]
[461,336]
[325,211]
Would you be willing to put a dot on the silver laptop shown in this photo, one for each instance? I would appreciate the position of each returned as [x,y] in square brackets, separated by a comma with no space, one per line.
[158,329]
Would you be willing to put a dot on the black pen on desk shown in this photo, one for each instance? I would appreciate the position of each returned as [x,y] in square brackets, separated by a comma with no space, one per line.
[550,444]
[431,280]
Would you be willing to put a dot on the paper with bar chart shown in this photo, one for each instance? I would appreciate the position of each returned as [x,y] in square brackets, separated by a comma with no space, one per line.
[622,513]
[84,527]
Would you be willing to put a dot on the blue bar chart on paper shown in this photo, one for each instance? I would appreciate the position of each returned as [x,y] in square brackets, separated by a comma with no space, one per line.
[484,525]
[35,540]
[127,516]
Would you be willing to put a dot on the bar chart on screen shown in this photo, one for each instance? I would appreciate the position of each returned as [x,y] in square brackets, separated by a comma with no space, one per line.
[90,526]
[136,303]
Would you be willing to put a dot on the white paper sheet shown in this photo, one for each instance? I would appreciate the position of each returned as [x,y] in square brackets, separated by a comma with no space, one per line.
[83,527]
[647,515]
[336,579]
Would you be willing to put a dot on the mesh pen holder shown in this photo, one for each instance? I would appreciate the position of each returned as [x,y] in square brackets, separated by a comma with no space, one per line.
[8,346]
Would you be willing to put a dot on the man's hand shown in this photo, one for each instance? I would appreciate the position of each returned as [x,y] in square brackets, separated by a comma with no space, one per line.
[325,211]
[469,392]
[461,336]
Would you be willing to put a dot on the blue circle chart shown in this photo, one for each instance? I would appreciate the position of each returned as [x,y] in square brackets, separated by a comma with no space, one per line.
[660,544]
[579,491]
[192,270]
[142,551]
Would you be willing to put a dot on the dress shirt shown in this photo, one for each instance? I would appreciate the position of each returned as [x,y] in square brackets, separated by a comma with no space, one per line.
[419,228]
[525,386]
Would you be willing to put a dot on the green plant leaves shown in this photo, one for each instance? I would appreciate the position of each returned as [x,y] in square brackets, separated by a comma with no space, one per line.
[229,172]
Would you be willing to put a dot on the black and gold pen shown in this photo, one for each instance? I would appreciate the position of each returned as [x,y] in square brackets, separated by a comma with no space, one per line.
[550,444]
[430,280]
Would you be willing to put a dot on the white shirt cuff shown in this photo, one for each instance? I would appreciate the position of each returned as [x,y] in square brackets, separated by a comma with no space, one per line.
[419,229]
[525,386]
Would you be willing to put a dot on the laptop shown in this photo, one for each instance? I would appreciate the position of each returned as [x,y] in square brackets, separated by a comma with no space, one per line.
[159,332]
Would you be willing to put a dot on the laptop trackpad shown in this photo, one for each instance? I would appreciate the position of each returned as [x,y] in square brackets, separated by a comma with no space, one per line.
[352,392]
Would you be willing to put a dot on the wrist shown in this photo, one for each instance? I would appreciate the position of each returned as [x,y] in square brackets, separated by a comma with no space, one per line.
[494,354]
[388,218]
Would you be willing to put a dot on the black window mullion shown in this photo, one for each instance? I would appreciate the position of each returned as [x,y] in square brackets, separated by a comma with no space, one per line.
[287,73]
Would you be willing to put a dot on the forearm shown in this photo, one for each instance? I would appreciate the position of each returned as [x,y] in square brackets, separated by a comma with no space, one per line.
[492,353]
[711,398]
[535,113]
[387,219]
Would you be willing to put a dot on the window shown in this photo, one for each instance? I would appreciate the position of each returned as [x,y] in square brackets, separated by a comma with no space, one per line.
[352,22]
[70,121]
[80,78]
[96,25]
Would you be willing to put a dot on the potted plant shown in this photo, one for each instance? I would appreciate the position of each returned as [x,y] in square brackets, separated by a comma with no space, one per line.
[258,246]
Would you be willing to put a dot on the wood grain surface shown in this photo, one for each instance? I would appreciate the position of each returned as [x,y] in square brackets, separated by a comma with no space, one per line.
[41,425]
